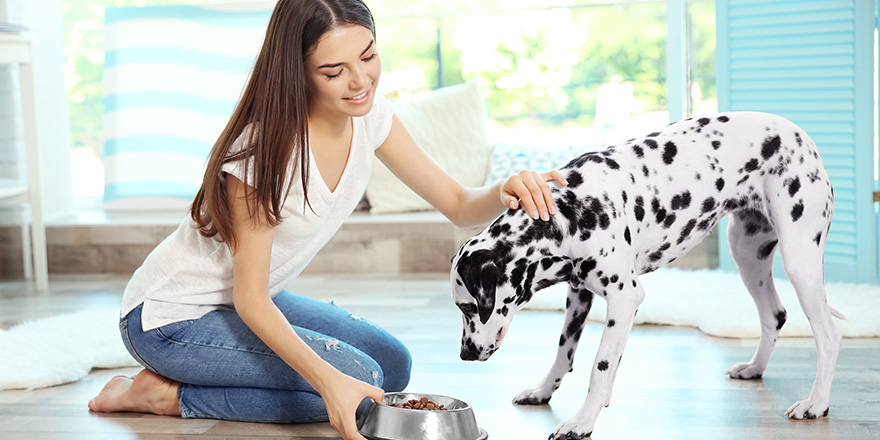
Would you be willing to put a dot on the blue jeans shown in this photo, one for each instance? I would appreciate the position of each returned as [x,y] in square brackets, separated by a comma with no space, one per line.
[226,372]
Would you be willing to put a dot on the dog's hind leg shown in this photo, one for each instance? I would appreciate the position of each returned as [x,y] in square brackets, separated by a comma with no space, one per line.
[623,300]
[802,256]
[577,308]
[752,245]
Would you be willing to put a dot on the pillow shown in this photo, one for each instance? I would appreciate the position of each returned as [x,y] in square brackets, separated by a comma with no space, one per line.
[450,125]
[507,160]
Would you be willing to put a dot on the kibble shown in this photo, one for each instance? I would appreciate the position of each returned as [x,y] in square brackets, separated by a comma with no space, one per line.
[423,404]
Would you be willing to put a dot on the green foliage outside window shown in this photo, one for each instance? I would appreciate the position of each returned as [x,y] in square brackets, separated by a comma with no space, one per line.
[541,64]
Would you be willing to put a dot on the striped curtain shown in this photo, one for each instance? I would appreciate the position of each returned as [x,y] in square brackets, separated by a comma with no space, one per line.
[811,61]
[172,77]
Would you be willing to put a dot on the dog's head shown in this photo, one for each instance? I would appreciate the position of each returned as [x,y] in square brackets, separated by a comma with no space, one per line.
[495,273]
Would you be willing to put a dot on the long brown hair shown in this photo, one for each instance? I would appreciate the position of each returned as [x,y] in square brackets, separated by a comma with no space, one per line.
[272,114]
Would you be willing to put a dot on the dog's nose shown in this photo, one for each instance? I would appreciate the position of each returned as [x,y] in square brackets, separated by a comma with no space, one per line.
[469,354]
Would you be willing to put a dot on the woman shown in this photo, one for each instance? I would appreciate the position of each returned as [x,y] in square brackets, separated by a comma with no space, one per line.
[206,315]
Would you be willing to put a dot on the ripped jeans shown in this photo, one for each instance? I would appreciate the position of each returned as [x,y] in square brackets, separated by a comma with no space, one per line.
[226,372]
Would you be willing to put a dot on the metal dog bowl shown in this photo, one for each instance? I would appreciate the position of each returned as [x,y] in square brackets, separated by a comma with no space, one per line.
[386,422]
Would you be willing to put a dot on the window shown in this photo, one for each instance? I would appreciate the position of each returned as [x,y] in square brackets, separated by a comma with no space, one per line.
[582,72]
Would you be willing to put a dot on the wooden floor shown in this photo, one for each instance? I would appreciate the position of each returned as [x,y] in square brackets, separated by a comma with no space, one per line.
[670,386]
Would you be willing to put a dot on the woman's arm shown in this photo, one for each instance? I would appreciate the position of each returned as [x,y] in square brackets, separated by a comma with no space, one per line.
[250,293]
[464,206]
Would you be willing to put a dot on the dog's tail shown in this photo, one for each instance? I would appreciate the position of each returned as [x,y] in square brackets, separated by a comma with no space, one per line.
[837,314]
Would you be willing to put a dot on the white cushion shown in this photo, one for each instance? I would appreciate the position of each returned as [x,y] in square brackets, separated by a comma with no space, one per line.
[450,125]
[509,159]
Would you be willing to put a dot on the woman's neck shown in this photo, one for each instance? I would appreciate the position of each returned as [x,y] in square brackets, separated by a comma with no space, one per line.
[328,127]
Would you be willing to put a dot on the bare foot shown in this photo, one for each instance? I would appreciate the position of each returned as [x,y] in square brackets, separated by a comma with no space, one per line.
[145,392]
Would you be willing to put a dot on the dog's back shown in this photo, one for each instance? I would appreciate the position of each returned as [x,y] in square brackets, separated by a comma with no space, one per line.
[662,193]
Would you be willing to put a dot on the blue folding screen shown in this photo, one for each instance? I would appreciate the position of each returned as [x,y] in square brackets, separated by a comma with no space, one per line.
[172,76]
[811,62]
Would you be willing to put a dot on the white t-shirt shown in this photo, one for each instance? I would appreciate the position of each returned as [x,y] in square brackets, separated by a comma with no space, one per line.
[189,275]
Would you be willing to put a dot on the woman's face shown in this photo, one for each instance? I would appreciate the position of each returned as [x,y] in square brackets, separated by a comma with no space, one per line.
[343,71]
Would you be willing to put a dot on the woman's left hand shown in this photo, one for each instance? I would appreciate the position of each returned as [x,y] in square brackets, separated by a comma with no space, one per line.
[529,190]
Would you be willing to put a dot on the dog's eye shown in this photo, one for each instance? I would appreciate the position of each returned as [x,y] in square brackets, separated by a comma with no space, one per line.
[468,309]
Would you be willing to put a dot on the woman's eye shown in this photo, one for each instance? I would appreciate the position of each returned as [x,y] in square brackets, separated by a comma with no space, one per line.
[335,75]
[370,58]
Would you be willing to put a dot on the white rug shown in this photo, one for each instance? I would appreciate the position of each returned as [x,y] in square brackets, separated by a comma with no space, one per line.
[65,348]
[718,304]
[61,349]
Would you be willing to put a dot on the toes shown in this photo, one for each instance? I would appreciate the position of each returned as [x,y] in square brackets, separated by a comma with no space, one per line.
[806,410]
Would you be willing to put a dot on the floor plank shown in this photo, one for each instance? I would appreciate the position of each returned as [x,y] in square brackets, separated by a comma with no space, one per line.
[670,383]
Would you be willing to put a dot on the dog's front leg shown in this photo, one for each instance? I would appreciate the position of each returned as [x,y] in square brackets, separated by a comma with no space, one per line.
[577,308]
[622,306]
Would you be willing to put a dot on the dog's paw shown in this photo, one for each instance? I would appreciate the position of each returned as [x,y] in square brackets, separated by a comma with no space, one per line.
[807,409]
[746,371]
[571,430]
[532,396]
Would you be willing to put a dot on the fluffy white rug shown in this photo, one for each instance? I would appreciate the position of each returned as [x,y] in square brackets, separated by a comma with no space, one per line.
[718,304]
[61,349]
[65,348]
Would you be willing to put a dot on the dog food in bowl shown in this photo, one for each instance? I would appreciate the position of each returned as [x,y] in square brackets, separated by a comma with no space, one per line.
[421,404]
[408,416]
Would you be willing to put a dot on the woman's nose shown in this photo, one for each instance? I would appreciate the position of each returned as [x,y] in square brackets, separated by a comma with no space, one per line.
[359,79]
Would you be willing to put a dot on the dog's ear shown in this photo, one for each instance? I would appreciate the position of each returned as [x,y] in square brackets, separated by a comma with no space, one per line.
[480,275]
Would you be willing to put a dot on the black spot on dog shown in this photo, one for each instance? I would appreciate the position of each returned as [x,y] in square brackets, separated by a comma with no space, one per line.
[780,319]
[751,165]
[818,238]
[766,249]
[716,144]
[575,179]
[669,220]
[498,229]
[741,181]
[603,365]
[669,152]
[627,236]
[794,186]
[612,164]
[639,209]
[703,122]
[538,230]
[723,118]
[719,184]
[797,211]
[645,171]
[651,143]
[770,147]
[640,153]
[681,201]
[708,205]
[686,231]
[611,323]
[586,267]
[654,134]
[576,326]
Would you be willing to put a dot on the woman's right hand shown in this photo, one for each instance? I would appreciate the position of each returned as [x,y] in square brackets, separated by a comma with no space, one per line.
[342,395]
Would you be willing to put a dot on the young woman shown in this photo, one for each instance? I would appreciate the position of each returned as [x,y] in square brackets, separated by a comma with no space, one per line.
[206,314]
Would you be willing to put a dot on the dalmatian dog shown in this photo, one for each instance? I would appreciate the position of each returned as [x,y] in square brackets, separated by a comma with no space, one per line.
[640,205]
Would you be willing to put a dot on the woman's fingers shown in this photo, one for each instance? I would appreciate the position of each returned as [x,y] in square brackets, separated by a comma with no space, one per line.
[530,191]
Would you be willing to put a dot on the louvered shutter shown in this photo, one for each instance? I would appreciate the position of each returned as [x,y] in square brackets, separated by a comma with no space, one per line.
[811,62]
